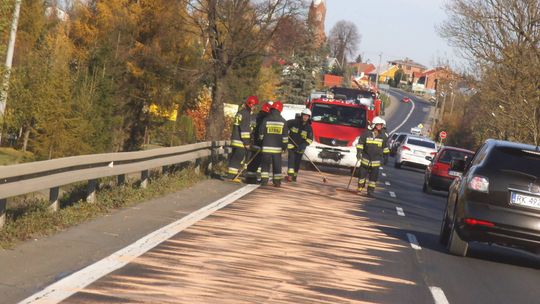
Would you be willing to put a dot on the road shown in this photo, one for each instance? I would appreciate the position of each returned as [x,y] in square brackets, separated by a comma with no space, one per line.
[312,243]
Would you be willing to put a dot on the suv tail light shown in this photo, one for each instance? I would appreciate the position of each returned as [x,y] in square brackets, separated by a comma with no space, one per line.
[405,148]
[433,154]
[478,183]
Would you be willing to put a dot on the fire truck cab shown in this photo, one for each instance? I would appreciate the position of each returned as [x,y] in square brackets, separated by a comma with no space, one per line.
[338,120]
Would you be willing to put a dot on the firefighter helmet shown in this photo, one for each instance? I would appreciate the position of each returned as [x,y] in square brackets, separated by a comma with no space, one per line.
[306,111]
[278,106]
[266,107]
[251,101]
[378,121]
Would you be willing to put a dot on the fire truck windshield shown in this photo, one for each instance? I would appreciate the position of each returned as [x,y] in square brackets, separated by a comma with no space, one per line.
[339,115]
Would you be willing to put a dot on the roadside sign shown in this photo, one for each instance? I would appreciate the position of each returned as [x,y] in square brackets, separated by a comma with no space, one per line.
[442,135]
[420,126]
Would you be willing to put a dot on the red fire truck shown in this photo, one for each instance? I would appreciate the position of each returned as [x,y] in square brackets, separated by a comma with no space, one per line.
[338,120]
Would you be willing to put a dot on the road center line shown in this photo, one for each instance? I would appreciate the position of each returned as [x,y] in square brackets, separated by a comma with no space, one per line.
[406,118]
[383,174]
[413,241]
[400,211]
[438,295]
[68,286]
[392,193]
[387,183]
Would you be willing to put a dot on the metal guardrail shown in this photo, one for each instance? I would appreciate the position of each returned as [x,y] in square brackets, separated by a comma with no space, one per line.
[52,174]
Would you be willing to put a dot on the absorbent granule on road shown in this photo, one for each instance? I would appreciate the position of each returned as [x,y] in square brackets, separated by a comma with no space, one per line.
[302,243]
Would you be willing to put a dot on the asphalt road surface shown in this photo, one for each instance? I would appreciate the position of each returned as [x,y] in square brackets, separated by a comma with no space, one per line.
[312,242]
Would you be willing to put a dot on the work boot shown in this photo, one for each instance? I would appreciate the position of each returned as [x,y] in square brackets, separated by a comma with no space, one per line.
[264,182]
[277,184]
[294,179]
[289,178]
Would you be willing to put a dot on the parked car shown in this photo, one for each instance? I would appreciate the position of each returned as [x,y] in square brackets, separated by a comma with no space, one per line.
[416,131]
[438,175]
[413,151]
[496,200]
[406,99]
[396,143]
[392,138]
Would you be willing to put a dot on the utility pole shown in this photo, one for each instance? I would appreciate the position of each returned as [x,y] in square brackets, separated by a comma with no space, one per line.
[9,57]
[378,69]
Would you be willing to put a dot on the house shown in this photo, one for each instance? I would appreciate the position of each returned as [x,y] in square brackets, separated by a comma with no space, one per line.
[430,79]
[385,73]
[361,72]
[409,67]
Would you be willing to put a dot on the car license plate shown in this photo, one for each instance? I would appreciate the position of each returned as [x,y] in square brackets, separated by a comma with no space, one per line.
[454,173]
[525,200]
[419,153]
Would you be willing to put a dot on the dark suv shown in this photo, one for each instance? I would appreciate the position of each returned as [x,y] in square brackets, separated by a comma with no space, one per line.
[496,200]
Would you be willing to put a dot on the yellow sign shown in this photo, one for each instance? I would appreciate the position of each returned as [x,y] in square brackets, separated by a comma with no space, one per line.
[170,115]
[420,126]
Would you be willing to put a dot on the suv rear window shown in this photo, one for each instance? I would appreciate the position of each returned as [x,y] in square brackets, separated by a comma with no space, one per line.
[421,143]
[448,154]
[516,160]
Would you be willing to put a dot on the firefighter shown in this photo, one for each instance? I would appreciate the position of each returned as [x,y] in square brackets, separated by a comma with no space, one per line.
[241,136]
[370,153]
[254,166]
[386,151]
[301,136]
[274,135]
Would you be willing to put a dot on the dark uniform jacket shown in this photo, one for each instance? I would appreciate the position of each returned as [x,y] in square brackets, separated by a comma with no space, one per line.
[257,142]
[241,132]
[273,133]
[371,148]
[301,134]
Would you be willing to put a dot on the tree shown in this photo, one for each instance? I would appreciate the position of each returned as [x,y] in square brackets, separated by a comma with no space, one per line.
[343,40]
[233,31]
[502,40]
[359,59]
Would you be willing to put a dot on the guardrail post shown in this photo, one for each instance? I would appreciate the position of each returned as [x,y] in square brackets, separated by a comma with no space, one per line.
[144,179]
[121,180]
[54,194]
[3,203]
[91,191]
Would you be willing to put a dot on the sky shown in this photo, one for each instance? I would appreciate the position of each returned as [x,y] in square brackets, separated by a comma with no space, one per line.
[397,28]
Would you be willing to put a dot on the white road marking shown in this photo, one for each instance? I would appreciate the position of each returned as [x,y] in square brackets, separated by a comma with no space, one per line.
[400,211]
[406,118]
[438,295]
[383,174]
[413,241]
[72,284]
[387,183]
[425,109]
[392,193]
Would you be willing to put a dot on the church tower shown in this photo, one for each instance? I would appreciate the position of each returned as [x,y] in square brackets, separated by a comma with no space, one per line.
[316,18]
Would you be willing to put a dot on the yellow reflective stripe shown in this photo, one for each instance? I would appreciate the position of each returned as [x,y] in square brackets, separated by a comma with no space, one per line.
[237,143]
[265,175]
[304,134]
[278,176]
[386,151]
[294,129]
[245,135]
[274,123]
[285,140]
[309,141]
[361,181]
[273,150]
[290,171]
[232,171]
[290,146]
[361,147]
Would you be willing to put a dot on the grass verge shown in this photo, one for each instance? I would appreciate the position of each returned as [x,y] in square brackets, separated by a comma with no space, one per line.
[32,218]
[9,156]
[385,100]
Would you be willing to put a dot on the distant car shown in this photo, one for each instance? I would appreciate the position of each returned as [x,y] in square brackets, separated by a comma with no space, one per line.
[496,200]
[406,99]
[416,131]
[438,175]
[413,151]
[396,143]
